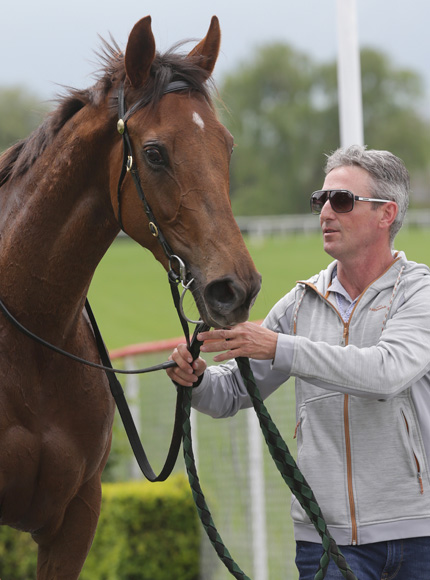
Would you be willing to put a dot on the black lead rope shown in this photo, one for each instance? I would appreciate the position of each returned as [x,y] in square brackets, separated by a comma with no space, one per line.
[121,402]
[127,418]
[107,368]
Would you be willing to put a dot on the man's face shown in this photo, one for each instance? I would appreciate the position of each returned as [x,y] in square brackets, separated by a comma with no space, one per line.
[347,235]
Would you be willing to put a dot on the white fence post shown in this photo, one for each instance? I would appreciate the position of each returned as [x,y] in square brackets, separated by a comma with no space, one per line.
[257,493]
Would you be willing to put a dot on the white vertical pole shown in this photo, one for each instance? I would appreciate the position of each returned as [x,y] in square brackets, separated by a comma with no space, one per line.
[132,388]
[257,492]
[348,74]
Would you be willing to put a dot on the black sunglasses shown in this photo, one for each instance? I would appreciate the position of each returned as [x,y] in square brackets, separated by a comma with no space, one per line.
[341,200]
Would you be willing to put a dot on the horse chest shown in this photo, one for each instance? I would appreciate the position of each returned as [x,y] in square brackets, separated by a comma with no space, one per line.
[55,426]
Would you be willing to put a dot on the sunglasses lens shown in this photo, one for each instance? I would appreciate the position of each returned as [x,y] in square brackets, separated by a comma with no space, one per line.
[318,199]
[341,201]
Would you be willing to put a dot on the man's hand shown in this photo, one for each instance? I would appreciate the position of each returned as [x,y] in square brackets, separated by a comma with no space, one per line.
[187,372]
[246,339]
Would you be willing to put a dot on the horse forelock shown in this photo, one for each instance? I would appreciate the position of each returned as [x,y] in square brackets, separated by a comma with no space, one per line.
[166,68]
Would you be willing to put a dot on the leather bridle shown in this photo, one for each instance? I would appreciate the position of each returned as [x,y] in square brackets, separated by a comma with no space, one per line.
[178,272]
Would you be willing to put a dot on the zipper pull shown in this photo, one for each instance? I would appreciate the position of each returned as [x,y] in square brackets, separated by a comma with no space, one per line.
[344,340]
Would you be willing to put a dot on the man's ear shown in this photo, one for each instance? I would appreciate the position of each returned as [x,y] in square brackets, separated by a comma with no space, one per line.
[389,213]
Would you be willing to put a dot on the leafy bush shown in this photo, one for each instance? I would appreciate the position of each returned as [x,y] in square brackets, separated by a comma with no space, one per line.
[18,555]
[146,532]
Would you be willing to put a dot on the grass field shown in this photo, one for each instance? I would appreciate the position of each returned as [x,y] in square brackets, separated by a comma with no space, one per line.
[131,298]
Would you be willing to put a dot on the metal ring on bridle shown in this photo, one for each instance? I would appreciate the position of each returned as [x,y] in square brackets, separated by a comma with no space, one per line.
[181,308]
[185,285]
[181,265]
[153,229]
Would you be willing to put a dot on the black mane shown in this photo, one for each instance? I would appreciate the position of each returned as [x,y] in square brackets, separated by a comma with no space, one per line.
[166,67]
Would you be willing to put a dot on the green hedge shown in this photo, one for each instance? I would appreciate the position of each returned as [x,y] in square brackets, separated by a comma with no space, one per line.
[146,532]
[18,555]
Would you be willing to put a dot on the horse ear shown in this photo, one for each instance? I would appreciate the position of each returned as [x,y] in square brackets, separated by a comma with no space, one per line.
[140,52]
[208,48]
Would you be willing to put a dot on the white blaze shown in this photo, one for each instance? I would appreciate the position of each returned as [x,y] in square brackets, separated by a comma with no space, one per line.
[198,120]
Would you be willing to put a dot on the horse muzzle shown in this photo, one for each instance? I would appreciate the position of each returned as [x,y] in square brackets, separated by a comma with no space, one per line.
[228,300]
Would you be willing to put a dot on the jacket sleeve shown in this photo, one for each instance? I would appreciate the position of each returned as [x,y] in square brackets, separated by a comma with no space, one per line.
[400,358]
[222,392]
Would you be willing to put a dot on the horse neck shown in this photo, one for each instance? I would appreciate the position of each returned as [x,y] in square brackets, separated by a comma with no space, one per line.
[56,224]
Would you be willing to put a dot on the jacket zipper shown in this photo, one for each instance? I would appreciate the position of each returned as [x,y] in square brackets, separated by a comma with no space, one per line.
[354,534]
[351,499]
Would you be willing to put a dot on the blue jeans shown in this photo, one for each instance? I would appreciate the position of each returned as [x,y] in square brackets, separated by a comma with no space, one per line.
[407,559]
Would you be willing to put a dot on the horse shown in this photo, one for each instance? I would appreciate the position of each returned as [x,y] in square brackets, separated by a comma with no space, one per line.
[64,196]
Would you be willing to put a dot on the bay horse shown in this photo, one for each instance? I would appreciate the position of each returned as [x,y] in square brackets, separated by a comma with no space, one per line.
[60,209]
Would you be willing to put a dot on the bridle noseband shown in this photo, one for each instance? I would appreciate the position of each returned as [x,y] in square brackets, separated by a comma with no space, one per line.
[181,273]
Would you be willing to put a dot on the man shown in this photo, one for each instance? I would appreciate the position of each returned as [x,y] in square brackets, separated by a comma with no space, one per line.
[357,338]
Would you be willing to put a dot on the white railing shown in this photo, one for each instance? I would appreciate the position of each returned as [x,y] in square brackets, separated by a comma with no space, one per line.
[261,226]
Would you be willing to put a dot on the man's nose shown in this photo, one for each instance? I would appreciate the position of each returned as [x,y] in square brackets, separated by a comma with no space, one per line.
[327,211]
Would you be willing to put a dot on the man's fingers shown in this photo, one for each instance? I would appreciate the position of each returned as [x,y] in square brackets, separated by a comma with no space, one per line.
[220,334]
[216,345]
[187,371]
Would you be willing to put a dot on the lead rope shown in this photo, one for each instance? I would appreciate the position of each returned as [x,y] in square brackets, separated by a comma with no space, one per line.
[193,478]
[286,466]
[293,477]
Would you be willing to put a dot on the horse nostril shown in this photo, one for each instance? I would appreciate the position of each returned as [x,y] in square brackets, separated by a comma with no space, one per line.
[224,295]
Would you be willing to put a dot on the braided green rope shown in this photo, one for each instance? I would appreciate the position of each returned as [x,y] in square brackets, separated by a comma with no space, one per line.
[286,466]
[293,477]
[199,498]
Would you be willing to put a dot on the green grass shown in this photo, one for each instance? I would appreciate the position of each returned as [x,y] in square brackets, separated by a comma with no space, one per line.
[131,298]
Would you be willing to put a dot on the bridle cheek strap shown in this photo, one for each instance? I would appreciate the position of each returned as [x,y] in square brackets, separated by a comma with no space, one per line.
[129,166]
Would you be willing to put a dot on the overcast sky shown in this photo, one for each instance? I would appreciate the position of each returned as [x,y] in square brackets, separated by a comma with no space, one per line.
[46,42]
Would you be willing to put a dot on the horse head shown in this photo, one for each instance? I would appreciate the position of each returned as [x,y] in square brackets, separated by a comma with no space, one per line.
[180,155]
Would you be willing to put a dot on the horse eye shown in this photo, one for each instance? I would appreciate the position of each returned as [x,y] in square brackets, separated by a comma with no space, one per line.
[154,156]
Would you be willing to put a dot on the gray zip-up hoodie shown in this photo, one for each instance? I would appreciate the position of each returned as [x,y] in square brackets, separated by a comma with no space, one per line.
[362,401]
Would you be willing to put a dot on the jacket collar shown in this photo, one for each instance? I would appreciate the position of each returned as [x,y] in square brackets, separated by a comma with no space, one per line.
[321,282]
